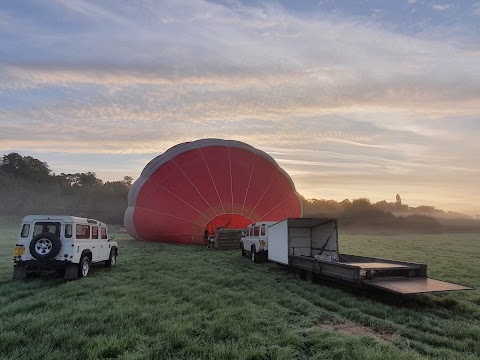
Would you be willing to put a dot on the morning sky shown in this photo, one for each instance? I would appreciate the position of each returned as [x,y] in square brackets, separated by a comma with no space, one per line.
[352,98]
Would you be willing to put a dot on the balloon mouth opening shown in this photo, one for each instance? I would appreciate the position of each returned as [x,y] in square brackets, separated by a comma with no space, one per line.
[226,221]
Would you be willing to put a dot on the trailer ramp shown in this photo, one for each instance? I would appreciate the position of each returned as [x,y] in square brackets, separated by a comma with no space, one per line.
[407,286]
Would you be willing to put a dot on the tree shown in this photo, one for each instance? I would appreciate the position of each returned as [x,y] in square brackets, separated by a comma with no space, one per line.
[82,180]
[128,181]
[345,203]
[361,202]
[27,186]
[11,163]
[27,168]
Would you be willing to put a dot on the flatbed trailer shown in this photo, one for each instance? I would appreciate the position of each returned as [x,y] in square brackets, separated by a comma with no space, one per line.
[310,247]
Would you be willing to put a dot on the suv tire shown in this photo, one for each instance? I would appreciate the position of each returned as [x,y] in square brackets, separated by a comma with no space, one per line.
[112,259]
[45,246]
[254,255]
[84,267]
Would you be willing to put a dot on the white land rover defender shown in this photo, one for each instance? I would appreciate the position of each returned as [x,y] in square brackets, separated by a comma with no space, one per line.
[66,243]
[255,240]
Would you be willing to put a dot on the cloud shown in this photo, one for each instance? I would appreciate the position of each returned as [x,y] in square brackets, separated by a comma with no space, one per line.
[268,69]
[476,9]
[95,12]
[273,51]
[369,76]
[439,7]
[326,95]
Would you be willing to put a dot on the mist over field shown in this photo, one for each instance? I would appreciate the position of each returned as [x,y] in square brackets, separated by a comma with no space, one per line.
[28,186]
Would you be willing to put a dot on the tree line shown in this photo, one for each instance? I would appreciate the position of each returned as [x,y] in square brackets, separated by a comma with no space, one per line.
[28,186]
[362,216]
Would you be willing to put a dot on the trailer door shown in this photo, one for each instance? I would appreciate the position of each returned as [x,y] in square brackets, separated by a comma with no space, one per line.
[407,286]
[277,235]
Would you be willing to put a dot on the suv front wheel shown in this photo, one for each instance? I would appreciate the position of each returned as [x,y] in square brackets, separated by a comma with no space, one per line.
[112,259]
[254,255]
[244,253]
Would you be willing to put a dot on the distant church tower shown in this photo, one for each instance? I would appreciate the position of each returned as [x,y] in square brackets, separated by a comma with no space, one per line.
[398,200]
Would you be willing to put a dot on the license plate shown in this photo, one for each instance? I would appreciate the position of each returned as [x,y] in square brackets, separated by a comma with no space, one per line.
[19,251]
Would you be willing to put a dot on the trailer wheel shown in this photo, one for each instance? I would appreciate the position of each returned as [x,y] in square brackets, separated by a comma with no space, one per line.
[309,276]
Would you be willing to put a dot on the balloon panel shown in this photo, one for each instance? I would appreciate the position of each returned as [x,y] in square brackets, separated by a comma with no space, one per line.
[278,192]
[242,165]
[195,169]
[161,200]
[146,225]
[263,174]
[217,158]
[171,177]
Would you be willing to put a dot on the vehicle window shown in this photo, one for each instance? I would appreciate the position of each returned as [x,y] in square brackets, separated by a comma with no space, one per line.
[68,231]
[256,231]
[25,230]
[262,231]
[94,232]
[250,231]
[49,227]
[103,232]
[82,231]
[37,229]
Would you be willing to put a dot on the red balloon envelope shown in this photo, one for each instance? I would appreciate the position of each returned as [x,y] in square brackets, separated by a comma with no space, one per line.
[194,188]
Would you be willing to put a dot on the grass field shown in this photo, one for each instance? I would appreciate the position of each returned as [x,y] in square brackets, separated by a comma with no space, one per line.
[166,302]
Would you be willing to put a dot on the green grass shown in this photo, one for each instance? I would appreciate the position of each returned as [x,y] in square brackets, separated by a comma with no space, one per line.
[165,302]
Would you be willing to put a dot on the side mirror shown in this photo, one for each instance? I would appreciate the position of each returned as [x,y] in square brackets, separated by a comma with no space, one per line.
[112,236]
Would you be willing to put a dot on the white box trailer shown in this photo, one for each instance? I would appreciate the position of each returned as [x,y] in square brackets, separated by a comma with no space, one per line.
[303,237]
[310,247]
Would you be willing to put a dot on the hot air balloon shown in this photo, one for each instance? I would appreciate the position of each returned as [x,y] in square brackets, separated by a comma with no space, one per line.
[195,188]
